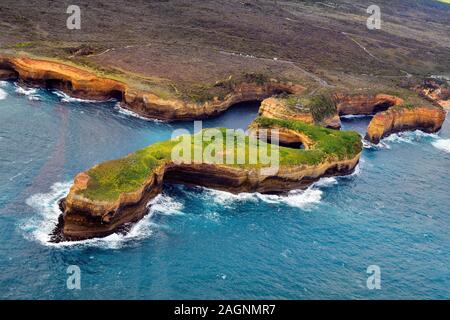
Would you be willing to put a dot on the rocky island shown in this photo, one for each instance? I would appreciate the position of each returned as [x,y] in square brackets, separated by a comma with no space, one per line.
[116,192]
[391,114]
[318,109]
[428,119]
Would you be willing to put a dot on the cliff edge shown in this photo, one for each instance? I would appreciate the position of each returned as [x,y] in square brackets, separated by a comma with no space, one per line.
[398,119]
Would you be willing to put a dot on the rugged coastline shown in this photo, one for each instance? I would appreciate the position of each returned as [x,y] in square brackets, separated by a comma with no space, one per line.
[364,104]
[95,208]
[84,84]
[116,192]
[280,99]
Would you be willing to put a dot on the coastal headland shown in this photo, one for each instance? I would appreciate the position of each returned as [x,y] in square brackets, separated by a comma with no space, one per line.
[112,194]
[308,63]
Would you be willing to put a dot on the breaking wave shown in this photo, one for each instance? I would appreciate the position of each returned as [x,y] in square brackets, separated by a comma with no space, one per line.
[370,145]
[165,205]
[25,91]
[356,116]
[302,199]
[46,205]
[130,113]
[40,227]
[66,98]
[411,137]
[408,137]
[442,144]
[31,93]
[3,94]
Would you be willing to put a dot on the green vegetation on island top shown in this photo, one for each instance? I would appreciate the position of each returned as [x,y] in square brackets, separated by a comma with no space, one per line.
[111,178]
[334,143]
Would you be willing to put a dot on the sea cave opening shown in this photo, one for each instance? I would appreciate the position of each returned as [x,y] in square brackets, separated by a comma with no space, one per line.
[58,84]
[383,106]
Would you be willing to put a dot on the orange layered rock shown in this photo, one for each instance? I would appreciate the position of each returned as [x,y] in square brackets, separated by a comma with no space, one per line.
[77,82]
[84,218]
[8,74]
[364,104]
[84,84]
[151,106]
[397,119]
[278,109]
[101,201]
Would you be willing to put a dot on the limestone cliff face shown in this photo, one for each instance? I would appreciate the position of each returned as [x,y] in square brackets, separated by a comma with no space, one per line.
[84,218]
[364,104]
[8,74]
[277,109]
[151,106]
[397,119]
[77,82]
[83,84]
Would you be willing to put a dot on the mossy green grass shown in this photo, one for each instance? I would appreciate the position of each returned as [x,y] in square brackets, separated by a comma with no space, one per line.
[111,178]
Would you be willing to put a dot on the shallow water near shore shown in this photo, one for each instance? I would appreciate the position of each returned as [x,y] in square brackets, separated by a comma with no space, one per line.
[200,243]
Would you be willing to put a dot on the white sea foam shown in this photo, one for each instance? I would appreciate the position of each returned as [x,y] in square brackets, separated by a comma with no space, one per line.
[442,144]
[29,92]
[165,205]
[356,116]
[326,182]
[25,91]
[40,226]
[358,169]
[226,198]
[130,113]
[3,94]
[303,199]
[370,145]
[3,83]
[410,137]
[46,204]
[34,98]
[66,98]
